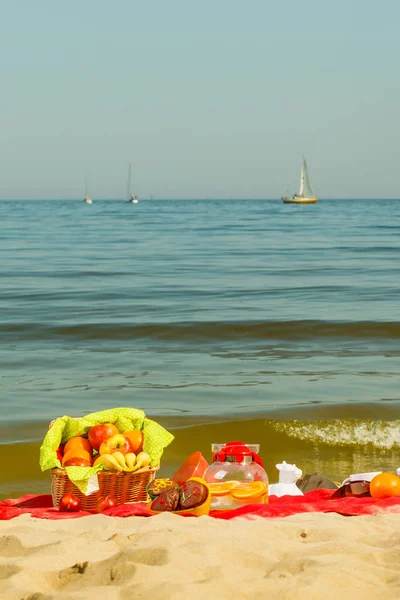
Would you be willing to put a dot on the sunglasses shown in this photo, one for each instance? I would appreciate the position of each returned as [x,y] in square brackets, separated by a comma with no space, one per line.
[358,489]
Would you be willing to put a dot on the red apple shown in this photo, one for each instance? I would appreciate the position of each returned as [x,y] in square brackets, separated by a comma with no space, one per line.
[116,442]
[77,461]
[69,503]
[99,433]
[60,452]
[105,502]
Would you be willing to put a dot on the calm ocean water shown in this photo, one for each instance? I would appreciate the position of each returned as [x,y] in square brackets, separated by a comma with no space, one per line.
[220,318]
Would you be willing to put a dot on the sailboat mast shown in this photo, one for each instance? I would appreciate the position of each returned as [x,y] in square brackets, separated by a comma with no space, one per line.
[302,178]
[128,189]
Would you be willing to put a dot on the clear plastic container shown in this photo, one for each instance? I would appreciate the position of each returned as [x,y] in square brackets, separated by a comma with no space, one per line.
[238,479]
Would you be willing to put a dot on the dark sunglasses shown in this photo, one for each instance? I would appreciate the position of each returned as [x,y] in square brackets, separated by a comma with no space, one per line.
[354,488]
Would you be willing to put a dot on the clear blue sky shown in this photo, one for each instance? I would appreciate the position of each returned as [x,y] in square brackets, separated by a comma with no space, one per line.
[216,98]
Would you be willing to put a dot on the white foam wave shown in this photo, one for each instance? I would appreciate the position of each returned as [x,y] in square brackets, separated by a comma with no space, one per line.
[384,435]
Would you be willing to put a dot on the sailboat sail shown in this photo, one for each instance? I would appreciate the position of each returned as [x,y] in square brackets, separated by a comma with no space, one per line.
[87,199]
[306,194]
[302,178]
[306,187]
[129,196]
[128,188]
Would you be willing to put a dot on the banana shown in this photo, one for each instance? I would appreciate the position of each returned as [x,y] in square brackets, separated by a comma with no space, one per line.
[130,460]
[109,462]
[142,460]
[120,458]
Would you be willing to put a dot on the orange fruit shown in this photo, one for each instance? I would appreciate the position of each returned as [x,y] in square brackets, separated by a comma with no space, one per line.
[136,439]
[252,490]
[385,485]
[78,442]
[221,489]
[76,453]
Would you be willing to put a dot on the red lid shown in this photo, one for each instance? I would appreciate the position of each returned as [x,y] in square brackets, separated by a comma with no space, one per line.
[239,450]
[194,466]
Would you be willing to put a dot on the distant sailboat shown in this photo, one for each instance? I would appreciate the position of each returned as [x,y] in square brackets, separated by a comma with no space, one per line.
[306,194]
[87,199]
[130,198]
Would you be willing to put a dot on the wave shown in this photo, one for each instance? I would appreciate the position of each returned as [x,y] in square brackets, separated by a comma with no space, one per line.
[208,331]
[383,435]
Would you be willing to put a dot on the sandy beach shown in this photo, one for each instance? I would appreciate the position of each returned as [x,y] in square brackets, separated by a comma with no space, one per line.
[308,556]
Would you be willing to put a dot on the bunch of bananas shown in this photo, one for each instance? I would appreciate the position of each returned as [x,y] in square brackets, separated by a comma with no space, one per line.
[123,462]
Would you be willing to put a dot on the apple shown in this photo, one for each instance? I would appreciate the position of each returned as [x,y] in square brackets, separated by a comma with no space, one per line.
[69,503]
[116,442]
[105,502]
[60,452]
[99,433]
[77,461]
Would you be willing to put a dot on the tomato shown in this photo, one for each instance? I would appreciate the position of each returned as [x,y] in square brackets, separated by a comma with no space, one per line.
[105,502]
[69,503]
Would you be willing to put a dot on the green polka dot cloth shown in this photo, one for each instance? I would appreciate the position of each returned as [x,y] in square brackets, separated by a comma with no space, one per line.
[156,438]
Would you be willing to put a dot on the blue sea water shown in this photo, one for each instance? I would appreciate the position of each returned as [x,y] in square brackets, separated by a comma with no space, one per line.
[197,307]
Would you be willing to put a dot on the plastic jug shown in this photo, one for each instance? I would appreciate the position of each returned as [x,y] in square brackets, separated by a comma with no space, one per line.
[288,475]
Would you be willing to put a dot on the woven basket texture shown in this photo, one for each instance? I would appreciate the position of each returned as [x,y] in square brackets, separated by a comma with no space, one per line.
[124,487]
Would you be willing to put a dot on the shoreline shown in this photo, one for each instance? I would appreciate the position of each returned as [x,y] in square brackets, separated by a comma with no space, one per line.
[331,440]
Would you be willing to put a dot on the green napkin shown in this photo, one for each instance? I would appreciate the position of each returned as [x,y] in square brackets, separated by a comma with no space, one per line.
[156,438]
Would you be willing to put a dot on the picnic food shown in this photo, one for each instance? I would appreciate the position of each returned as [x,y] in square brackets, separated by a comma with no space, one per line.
[69,503]
[136,439]
[159,485]
[76,461]
[77,442]
[385,485]
[231,494]
[76,453]
[117,442]
[98,433]
[190,496]
[168,500]
[105,502]
[113,451]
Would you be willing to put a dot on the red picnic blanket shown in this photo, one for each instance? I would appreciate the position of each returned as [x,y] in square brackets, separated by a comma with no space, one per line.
[41,506]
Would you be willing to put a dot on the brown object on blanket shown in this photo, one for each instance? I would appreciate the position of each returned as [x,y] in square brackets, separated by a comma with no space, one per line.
[315,482]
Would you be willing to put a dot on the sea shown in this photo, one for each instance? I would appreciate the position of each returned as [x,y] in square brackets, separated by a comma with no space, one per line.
[250,320]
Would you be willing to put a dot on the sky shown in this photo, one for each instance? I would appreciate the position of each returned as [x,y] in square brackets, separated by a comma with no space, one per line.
[211,99]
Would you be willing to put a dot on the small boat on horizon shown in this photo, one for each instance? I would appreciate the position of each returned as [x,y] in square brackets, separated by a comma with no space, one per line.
[130,197]
[87,199]
[306,194]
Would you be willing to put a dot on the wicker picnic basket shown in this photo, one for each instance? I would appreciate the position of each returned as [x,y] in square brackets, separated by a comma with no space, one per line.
[124,487]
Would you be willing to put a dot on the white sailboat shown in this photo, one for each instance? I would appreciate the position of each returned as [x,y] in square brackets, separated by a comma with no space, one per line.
[307,194]
[130,198]
[87,199]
